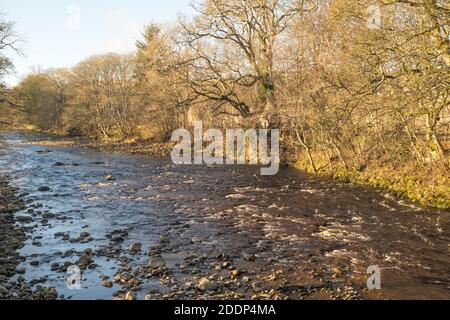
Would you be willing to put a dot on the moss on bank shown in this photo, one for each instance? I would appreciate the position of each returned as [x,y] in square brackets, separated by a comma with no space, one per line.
[422,185]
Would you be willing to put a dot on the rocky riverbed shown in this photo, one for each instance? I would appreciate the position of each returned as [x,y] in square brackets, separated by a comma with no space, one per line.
[132,227]
[12,238]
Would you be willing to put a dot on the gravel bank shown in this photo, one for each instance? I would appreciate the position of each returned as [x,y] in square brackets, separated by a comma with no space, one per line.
[12,238]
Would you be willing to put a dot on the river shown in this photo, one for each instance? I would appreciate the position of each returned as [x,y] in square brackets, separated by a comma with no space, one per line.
[292,235]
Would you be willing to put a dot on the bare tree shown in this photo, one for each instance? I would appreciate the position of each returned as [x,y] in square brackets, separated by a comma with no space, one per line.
[8,43]
[231,47]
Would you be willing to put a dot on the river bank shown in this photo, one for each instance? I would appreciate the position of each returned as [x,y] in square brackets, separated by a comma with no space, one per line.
[136,147]
[12,237]
[422,185]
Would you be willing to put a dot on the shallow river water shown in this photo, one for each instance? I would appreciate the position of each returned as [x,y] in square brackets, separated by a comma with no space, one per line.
[292,235]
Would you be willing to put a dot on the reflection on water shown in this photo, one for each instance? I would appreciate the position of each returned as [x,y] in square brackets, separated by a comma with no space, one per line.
[293,221]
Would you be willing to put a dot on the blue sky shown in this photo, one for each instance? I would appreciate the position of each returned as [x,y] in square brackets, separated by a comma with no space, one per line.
[60,33]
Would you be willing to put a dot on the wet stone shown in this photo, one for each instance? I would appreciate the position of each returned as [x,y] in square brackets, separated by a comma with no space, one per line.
[130,296]
[55,267]
[157,262]
[135,248]
[21,270]
[154,251]
[84,235]
[205,284]
[24,218]
[68,253]
[48,215]
[117,239]
[126,276]
[75,240]
[84,261]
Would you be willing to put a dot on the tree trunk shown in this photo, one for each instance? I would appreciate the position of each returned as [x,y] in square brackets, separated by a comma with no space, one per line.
[431,134]
[307,149]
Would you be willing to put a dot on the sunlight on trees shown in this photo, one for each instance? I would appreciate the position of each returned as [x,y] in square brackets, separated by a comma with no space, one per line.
[346,92]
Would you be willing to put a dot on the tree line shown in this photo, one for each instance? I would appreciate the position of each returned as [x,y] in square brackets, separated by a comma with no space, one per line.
[350,83]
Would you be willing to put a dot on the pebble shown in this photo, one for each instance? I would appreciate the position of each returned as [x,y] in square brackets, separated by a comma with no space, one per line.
[84,261]
[117,239]
[130,296]
[148,297]
[21,270]
[126,276]
[157,262]
[24,218]
[55,267]
[48,215]
[135,248]
[205,284]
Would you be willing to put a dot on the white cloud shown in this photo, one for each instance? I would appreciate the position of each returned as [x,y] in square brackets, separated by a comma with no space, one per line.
[125,31]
